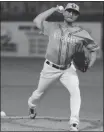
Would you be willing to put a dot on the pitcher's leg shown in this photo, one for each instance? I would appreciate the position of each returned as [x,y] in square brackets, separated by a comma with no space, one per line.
[48,76]
[42,86]
[70,80]
[32,101]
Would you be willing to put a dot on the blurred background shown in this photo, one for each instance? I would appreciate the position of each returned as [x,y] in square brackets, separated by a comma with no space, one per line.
[22,55]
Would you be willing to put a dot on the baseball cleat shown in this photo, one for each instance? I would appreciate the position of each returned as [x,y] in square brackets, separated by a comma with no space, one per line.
[32,113]
[73,127]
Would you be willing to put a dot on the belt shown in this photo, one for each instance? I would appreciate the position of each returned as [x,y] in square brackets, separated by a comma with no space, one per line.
[58,67]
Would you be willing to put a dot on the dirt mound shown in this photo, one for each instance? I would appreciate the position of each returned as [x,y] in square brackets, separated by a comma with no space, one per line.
[46,124]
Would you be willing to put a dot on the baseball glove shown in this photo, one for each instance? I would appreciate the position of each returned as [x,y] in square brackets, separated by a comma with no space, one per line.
[81,57]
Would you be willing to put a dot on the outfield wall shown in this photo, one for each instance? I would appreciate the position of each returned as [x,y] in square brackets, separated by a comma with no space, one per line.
[22,39]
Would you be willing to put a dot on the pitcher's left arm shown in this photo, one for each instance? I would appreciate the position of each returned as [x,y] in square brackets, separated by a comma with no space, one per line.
[93,48]
[92,58]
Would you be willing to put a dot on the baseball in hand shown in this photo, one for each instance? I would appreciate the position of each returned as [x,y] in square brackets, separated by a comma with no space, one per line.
[61,8]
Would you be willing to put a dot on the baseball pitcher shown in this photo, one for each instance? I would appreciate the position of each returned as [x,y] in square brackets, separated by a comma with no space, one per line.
[70,47]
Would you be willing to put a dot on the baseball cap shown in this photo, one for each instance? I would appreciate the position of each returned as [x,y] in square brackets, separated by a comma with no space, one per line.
[72,6]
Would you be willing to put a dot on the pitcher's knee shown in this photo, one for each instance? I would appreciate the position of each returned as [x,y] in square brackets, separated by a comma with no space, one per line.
[75,92]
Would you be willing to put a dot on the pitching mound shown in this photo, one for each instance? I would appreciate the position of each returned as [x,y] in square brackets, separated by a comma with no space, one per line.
[46,124]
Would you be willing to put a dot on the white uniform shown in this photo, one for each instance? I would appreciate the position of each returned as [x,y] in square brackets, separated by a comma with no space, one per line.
[59,52]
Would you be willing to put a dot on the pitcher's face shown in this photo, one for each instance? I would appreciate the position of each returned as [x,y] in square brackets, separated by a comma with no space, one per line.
[70,15]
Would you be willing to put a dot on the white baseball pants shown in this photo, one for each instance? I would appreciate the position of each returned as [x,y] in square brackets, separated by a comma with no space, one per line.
[68,78]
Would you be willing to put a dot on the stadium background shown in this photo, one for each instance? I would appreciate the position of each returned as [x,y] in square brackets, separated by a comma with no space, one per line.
[22,56]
